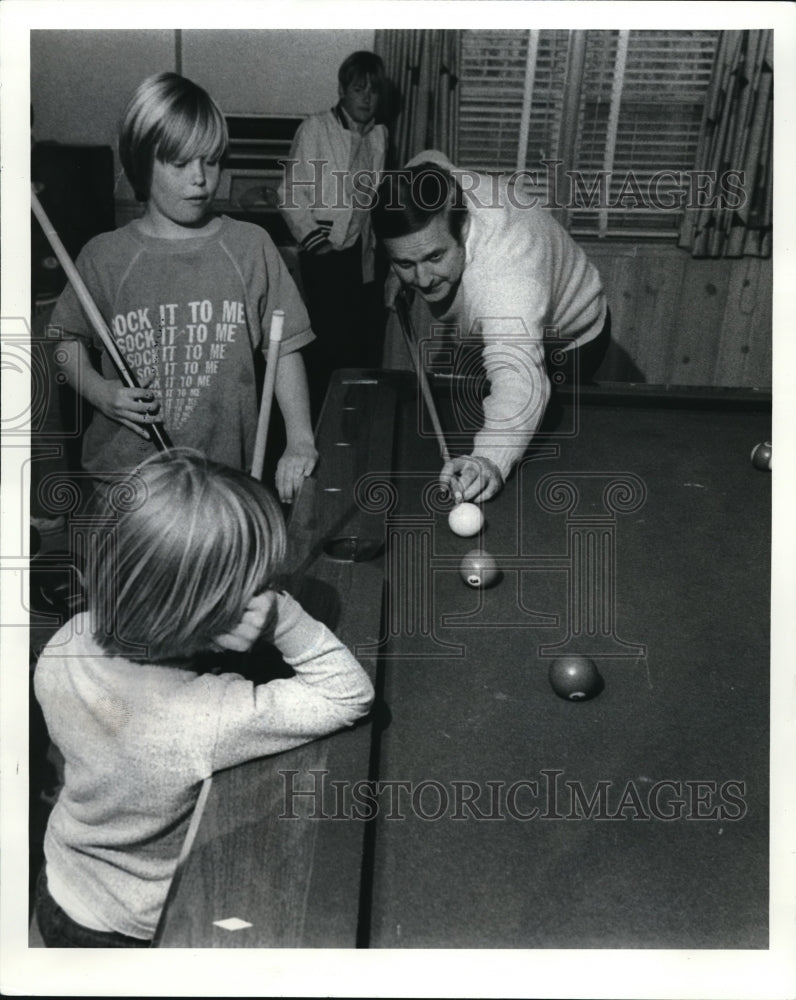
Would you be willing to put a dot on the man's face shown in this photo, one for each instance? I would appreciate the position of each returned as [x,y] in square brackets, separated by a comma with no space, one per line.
[360,100]
[430,261]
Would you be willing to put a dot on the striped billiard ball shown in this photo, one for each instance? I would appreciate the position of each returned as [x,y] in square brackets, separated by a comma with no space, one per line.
[479,569]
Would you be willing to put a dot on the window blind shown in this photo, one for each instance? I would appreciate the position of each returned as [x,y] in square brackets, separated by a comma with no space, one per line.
[505,95]
[627,152]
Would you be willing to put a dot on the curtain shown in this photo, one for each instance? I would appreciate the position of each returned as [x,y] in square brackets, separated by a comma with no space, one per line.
[736,136]
[422,67]
[422,113]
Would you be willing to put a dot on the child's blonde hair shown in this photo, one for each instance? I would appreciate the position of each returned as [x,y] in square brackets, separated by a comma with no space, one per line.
[177,566]
[172,119]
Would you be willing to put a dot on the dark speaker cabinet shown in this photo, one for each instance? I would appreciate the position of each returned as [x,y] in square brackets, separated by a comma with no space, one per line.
[75,188]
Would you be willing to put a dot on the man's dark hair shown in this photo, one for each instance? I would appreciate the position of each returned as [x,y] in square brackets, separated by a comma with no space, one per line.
[362,65]
[407,200]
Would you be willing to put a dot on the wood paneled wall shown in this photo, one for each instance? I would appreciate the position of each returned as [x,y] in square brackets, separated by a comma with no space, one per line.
[674,320]
[681,321]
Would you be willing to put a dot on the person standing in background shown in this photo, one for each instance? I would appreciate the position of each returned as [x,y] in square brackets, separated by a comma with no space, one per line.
[334,168]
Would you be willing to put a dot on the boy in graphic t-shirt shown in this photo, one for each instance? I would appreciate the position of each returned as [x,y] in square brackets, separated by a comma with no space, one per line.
[188,297]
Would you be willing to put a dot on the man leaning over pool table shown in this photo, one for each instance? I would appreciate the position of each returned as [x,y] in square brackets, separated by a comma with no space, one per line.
[486,261]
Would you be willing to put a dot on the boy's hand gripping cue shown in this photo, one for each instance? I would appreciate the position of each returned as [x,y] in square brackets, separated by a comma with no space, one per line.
[157,431]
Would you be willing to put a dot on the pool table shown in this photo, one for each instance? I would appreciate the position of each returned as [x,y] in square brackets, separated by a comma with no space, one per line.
[476,808]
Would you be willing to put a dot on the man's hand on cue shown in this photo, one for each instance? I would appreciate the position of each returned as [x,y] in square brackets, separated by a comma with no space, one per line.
[472,478]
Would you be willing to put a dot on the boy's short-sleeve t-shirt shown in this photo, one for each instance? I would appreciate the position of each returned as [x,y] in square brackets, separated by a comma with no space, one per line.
[190,317]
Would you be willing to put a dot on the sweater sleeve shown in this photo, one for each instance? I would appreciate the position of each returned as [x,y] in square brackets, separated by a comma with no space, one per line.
[96,264]
[279,291]
[527,284]
[330,690]
[508,299]
[302,186]
[518,393]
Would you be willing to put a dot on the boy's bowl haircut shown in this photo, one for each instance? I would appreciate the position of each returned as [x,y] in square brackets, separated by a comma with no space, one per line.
[179,566]
[172,119]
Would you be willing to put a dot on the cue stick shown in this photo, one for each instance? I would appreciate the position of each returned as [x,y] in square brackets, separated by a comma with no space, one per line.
[274,340]
[157,431]
[402,308]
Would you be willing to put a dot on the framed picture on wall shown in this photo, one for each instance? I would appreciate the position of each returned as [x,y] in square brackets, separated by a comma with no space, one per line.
[257,146]
[254,191]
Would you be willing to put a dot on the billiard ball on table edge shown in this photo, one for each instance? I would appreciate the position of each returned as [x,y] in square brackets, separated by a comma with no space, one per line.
[575,678]
[761,456]
[479,569]
[466,519]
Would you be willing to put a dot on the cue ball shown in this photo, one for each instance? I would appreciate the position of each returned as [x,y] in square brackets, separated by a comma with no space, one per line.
[479,569]
[465,519]
[761,455]
[575,678]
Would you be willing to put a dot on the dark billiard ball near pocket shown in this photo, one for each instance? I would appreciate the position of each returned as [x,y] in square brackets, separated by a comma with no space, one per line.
[575,678]
[761,456]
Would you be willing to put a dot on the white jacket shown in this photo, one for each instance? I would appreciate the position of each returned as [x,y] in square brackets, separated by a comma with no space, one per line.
[315,200]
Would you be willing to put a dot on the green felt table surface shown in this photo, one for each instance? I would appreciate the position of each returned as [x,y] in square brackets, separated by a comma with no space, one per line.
[673,754]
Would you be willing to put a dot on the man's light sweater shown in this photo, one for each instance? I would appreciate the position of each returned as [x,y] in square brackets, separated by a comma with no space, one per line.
[525,281]
[139,738]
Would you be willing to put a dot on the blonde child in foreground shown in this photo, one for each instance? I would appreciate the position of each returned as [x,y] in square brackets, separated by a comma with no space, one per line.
[188,296]
[186,569]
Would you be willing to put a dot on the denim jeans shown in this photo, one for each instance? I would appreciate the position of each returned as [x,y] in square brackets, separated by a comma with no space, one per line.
[58,930]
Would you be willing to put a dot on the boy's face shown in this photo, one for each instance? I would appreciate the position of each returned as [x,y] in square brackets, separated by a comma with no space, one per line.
[181,194]
[360,100]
